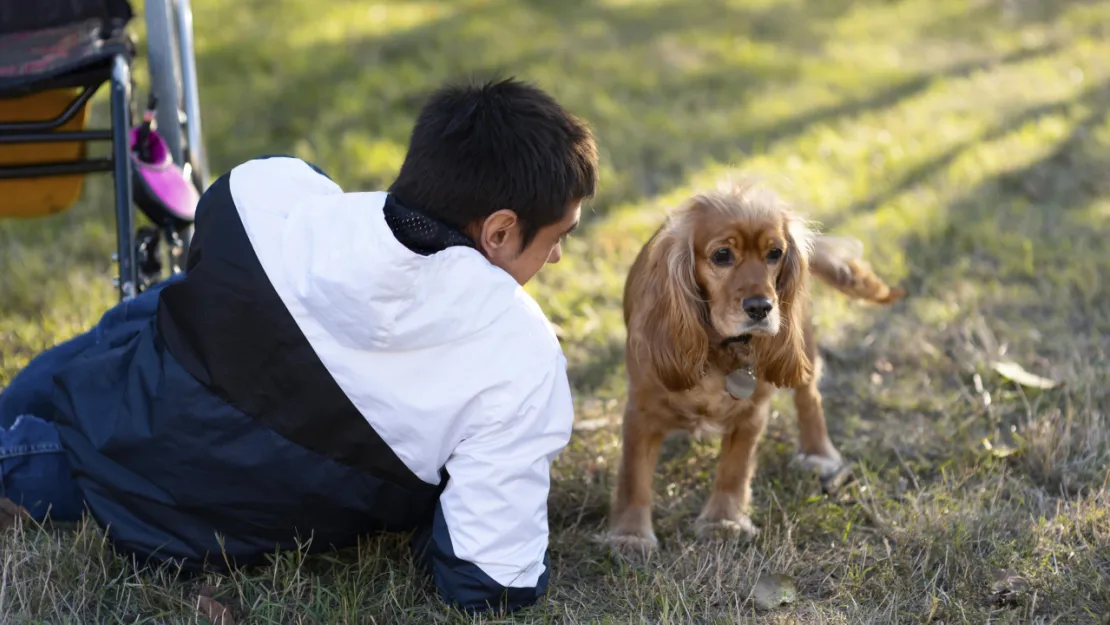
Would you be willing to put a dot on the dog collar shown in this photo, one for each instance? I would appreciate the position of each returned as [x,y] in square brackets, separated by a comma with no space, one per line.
[743,338]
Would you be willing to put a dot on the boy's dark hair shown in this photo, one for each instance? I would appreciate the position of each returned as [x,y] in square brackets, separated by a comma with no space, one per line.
[477,149]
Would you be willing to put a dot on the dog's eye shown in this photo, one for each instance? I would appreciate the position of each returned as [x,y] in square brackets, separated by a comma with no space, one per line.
[722,256]
[774,255]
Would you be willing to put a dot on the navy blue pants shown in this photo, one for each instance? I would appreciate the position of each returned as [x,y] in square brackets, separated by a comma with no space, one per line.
[34,472]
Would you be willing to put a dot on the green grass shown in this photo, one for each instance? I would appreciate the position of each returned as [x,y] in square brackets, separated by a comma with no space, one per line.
[966,143]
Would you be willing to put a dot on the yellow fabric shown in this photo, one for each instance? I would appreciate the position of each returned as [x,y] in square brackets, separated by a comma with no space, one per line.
[34,197]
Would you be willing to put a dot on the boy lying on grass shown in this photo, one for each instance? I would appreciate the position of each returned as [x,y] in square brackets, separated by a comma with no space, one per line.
[333,364]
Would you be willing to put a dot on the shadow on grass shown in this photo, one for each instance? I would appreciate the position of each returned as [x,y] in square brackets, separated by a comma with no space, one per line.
[665,85]
[600,60]
[1011,14]
[931,167]
[1041,205]
[607,362]
[662,83]
[1020,254]
[1022,247]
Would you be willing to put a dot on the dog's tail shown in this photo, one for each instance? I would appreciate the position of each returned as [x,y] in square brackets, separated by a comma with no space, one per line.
[838,262]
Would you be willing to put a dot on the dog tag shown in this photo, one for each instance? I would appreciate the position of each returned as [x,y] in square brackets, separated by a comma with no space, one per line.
[740,384]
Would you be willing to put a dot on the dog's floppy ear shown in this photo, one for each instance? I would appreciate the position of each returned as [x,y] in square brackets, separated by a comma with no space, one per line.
[670,338]
[782,358]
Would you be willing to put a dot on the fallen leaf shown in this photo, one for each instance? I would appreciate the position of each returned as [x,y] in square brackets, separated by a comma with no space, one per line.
[214,611]
[772,591]
[1015,373]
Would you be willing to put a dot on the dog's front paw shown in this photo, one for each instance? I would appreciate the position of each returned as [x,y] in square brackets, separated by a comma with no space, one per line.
[630,535]
[631,547]
[833,471]
[737,528]
[645,543]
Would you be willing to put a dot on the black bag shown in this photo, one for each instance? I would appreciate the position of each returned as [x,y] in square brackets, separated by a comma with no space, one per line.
[30,15]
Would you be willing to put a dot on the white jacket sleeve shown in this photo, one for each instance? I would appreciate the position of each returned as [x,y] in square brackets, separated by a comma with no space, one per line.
[488,543]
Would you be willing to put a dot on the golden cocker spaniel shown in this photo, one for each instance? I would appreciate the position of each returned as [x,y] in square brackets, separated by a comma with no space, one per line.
[716,308]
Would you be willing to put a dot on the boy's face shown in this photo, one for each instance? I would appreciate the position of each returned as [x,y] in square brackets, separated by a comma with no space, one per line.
[501,236]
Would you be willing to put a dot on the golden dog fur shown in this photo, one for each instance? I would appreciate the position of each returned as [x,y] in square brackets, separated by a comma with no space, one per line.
[684,300]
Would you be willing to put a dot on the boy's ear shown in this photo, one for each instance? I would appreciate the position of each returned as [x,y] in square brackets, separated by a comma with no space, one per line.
[497,234]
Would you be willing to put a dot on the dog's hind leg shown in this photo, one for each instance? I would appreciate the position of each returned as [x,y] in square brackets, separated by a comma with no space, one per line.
[816,451]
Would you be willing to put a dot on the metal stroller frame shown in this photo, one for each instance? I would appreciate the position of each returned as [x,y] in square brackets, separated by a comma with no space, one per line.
[103,53]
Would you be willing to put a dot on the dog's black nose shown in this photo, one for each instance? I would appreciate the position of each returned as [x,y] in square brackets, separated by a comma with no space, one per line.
[757,307]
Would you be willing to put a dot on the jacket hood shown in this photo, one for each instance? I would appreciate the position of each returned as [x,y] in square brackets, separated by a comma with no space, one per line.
[345,267]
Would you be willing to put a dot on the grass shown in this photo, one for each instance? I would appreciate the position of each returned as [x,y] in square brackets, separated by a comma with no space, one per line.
[966,143]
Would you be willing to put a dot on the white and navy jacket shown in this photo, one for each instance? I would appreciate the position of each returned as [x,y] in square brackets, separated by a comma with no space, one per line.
[313,377]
